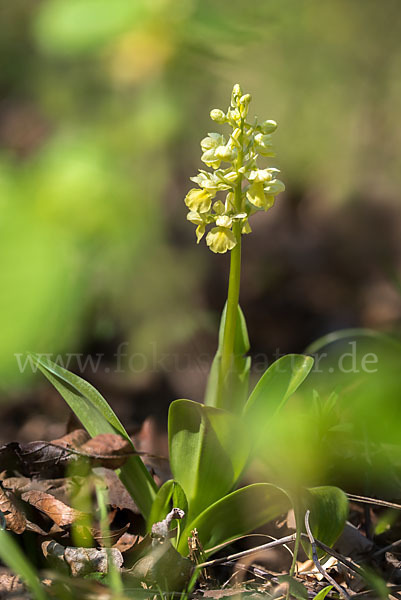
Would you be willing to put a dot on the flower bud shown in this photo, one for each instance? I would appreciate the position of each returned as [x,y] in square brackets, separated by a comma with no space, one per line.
[268,126]
[230,204]
[218,207]
[244,104]
[218,115]
[235,95]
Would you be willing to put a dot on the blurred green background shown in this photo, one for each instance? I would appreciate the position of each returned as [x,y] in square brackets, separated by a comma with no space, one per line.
[102,107]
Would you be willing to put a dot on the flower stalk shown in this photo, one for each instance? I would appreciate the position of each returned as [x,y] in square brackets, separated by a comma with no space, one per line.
[247,189]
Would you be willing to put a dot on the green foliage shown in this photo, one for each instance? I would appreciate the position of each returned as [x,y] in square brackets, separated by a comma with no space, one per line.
[273,389]
[236,514]
[323,593]
[97,417]
[328,507]
[208,451]
[211,445]
[169,494]
[236,388]
[70,27]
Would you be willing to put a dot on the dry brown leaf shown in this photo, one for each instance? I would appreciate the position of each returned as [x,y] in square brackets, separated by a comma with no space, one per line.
[74,439]
[17,484]
[10,583]
[109,449]
[127,541]
[15,518]
[117,492]
[60,513]
[112,537]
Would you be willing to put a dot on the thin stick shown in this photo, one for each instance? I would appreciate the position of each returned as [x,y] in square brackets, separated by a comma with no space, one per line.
[319,567]
[386,549]
[377,502]
[219,561]
[69,450]
[349,564]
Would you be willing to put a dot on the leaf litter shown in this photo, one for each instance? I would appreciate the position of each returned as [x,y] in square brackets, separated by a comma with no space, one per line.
[38,488]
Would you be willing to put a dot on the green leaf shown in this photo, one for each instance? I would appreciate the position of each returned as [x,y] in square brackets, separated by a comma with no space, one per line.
[297,589]
[169,495]
[328,507]
[97,417]
[323,593]
[272,391]
[236,514]
[208,451]
[14,558]
[236,389]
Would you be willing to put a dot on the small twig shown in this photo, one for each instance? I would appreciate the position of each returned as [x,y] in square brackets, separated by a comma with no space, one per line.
[377,502]
[70,450]
[392,589]
[319,567]
[275,543]
[348,563]
[386,549]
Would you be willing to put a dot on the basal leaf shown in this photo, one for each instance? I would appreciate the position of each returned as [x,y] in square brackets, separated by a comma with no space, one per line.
[97,417]
[328,507]
[236,514]
[235,390]
[169,495]
[272,391]
[208,451]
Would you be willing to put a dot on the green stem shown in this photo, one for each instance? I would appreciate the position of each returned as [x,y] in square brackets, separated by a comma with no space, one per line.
[232,304]
[227,356]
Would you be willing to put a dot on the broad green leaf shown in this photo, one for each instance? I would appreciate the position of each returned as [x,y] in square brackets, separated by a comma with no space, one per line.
[236,389]
[328,507]
[236,514]
[97,417]
[208,451]
[323,593]
[272,391]
[297,589]
[169,495]
[14,558]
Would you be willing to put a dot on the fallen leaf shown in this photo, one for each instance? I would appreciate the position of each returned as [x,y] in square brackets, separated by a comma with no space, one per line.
[111,539]
[108,449]
[74,439]
[127,541]
[10,583]
[15,518]
[60,513]
[117,492]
